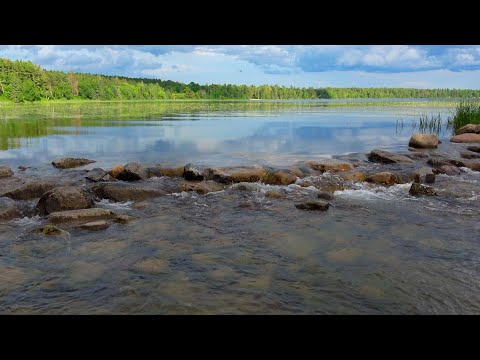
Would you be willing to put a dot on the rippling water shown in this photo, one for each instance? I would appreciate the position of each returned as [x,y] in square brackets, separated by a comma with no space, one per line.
[376,250]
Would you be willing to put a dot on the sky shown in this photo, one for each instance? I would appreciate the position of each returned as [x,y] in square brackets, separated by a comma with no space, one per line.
[437,66]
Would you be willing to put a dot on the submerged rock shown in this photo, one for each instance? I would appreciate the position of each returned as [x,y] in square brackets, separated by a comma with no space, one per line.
[83,214]
[274,195]
[355,176]
[424,175]
[126,192]
[280,177]
[50,230]
[385,157]
[449,170]
[313,205]
[469,128]
[8,209]
[123,219]
[201,187]
[419,189]
[469,155]
[133,171]
[235,174]
[30,190]
[383,178]
[192,173]
[474,148]
[67,163]
[472,165]
[325,195]
[99,174]
[440,162]
[5,171]
[94,225]
[466,138]
[423,141]
[159,171]
[330,165]
[64,198]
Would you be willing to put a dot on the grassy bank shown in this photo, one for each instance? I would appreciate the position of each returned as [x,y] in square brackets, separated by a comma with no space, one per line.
[467,112]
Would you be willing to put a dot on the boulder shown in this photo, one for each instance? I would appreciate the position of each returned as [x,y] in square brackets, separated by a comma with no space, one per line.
[429,178]
[280,177]
[235,174]
[466,138]
[385,157]
[94,225]
[64,198]
[472,165]
[474,148]
[8,209]
[331,165]
[423,141]
[123,219]
[325,195]
[440,162]
[313,205]
[423,175]
[469,155]
[419,189]
[81,215]
[5,171]
[355,176]
[469,128]
[67,163]
[274,195]
[30,190]
[201,187]
[126,192]
[98,174]
[115,170]
[449,170]
[132,172]
[162,171]
[383,178]
[192,173]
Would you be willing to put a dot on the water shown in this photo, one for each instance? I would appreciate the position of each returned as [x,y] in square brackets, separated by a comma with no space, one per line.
[375,251]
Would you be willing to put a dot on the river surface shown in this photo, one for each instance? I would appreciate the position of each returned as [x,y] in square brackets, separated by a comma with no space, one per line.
[377,250]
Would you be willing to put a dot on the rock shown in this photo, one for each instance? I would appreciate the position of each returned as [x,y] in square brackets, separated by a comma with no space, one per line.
[126,192]
[49,230]
[355,176]
[429,178]
[5,171]
[417,154]
[133,171]
[192,173]
[161,171]
[8,209]
[235,174]
[385,157]
[466,138]
[423,175]
[383,178]
[449,170]
[22,168]
[95,225]
[423,141]
[67,163]
[300,171]
[98,174]
[280,177]
[123,219]
[274,195]
[419,189]
[313,205]
[30,190]
[469,128]
[64,198]
[472,165]
[140,205]
[325,195]
[116,169]
[330,165]
[440,162]
[201,187]
[474,148]
[469,155]
[80,215]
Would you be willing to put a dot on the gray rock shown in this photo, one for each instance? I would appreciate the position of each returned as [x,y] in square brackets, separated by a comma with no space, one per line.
[313,205]
[383,178]
[474,148]
[385,157]
[99,174]
[449,170]
[81,215]
[5,171]
[235,174]
[325,195]
[67,163]
[127,192]
[8,209]
[64,198]
[30,190]
[133,171]
[419,189]
[123,219]
[469,155]
[192,173]
[95,225]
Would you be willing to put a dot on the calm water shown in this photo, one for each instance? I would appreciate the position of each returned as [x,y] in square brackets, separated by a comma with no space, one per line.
[375,251]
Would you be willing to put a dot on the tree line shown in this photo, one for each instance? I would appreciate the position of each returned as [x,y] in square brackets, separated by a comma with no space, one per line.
[22,81]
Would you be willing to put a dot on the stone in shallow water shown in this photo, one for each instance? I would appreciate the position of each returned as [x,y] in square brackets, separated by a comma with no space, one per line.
[419,189]
[83,214]
[201,187]
[469,128]
[5,171]
[423,141]
[325,195]
[123,219]
[383,178]
[474,148]
[64,198]
[313,205]
[235,174]
[99,174]
[31,190]
[472,165]
[133,171]
[50,230]
[330,165]
[280,177]
[8,209]
[95,225]
[469,155]
[67,163]
[449,170]
[385,157]
[192,173]
[466,138]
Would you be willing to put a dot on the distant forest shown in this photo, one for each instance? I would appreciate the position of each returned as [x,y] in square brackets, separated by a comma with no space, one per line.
[22,81]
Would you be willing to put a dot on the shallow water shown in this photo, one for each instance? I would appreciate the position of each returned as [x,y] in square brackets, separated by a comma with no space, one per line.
[377,250]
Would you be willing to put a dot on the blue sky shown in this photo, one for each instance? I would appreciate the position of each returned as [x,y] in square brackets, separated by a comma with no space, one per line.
[298,65]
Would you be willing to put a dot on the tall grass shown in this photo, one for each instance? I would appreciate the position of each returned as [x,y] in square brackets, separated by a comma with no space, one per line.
[466,112]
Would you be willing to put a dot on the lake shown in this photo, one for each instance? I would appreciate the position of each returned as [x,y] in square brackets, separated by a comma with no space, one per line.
[377,250]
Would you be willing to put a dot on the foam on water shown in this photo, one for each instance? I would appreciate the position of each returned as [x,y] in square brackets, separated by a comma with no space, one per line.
[366,192]
[114,205]
[26,221]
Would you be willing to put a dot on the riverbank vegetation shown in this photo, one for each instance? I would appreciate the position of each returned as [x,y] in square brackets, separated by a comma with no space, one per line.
[23,81]
[466,112]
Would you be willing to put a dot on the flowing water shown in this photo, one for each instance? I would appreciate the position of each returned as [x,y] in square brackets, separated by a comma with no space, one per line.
[377,250]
